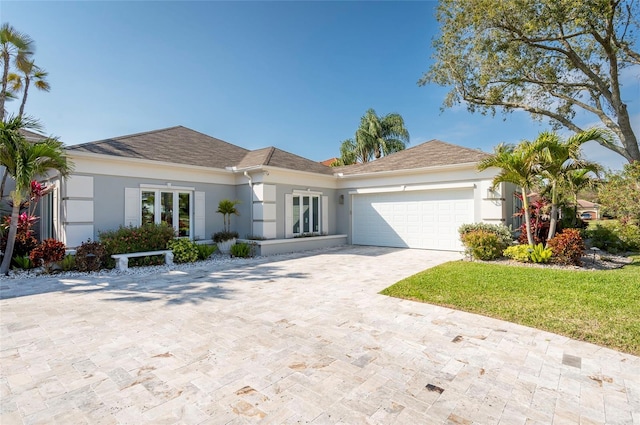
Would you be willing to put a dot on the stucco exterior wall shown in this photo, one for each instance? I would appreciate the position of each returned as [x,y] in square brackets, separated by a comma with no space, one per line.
[109,204]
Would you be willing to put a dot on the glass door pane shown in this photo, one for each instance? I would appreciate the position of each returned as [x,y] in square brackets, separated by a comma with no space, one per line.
[305,213]
[184,222]
[166,208]
[314,213]
[148,207]
[296,214]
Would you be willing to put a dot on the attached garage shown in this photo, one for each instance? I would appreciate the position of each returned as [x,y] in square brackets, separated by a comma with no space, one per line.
[424,219]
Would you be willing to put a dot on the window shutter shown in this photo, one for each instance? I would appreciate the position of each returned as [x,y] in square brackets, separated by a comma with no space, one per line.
[199,216]
[131,206]
[288,215]
[325,215]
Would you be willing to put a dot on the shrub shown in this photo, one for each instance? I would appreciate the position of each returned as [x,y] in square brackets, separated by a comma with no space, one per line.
[614,237]
[567,247]
[540,254]
[521,253]
[25,243]
[184,251]
[91,256]
[68,263]
[205,251]
[148,237]
[22,262]
[501,231]
[224,236]
[242,250]
[483,245]
[49,252]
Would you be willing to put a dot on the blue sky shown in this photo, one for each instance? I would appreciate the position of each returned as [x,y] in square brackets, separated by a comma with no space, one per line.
[295,75]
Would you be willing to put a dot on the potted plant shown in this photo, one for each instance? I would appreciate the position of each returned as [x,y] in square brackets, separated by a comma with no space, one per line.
[226,238]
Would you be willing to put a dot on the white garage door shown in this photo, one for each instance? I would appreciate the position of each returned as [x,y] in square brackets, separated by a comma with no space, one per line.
[426,220]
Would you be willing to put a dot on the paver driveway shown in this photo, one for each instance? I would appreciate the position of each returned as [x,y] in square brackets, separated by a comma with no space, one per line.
[292,339]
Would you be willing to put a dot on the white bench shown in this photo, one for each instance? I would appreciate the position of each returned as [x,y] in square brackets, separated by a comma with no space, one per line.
[123,259]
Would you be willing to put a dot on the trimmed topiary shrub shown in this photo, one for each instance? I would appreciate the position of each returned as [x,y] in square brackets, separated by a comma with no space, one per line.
[567,247]
[184,251]
[91,256]
[483,245]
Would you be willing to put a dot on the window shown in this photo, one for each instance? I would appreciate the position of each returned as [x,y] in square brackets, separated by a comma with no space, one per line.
[171,207]
[306,214]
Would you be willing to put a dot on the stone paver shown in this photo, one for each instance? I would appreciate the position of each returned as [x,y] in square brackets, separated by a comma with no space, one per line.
[291,339]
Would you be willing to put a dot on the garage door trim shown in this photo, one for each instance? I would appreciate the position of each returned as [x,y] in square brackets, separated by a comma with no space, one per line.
[388,189]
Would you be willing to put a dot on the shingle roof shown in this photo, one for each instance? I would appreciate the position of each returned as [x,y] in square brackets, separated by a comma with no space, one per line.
[32,136]
[175,144]
[275,157]
[428,154]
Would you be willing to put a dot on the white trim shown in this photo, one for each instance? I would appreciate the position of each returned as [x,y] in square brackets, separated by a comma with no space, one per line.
[167,186]
[290,240]
[306,192]
[464,185]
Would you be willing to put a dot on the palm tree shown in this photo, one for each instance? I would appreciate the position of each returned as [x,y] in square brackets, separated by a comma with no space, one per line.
[30,73]
[13,46]
[25,161]
[227,207]
[556,158]
[574,182]
[381,135]
[518,164]
[352,153]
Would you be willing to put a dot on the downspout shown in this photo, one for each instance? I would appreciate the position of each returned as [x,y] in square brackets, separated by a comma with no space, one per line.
[246,174]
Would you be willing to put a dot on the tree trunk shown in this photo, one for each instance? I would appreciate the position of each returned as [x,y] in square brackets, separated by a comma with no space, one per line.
[527,216]
[553,222]
[5,173]
[27,80]
[5,77]
[11,238]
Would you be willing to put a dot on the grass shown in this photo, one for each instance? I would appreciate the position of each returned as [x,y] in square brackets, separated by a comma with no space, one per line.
[601,307]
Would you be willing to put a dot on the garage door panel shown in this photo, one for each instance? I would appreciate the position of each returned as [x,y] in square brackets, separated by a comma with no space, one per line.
[427,220]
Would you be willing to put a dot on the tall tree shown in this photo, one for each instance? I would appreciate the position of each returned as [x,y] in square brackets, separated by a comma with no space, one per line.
[619,194]
[556,158]
[518,164]
[25,162]
[15,47]
[376,136]
[28,73]
[551,58]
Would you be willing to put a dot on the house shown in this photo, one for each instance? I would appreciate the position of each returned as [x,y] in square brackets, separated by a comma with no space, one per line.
[588,210]
[415,198]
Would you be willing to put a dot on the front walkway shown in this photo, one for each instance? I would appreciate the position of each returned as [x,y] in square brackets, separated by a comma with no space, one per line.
[291,339]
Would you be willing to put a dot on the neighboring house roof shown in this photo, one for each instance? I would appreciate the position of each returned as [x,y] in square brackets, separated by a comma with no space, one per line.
[175,144]
[428,154]
[32,136]
[586,204]
[275,157]
[329,161]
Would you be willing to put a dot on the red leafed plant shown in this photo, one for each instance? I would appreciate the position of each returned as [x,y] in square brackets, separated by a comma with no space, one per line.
[568,247]
[539,220]
[47,253]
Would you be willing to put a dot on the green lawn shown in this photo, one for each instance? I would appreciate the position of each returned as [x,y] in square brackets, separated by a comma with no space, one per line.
[602,307]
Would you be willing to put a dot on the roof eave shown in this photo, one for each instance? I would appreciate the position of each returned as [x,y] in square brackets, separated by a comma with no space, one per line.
[409,170]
